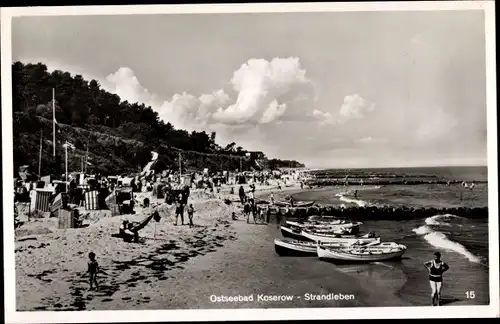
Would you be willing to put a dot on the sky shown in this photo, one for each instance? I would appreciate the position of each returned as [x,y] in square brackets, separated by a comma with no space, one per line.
[329,89]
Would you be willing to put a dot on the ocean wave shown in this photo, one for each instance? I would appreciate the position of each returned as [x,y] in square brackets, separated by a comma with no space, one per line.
[360,203]
[435,220]
[440,240]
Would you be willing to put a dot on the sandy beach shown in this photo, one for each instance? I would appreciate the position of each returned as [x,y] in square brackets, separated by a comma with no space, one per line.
[51,263]
[188,268]
[178,267]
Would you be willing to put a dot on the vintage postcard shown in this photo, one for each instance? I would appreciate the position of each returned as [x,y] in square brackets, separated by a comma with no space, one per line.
[274,161]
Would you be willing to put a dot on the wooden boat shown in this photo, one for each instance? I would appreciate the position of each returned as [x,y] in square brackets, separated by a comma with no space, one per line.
[324,225]
[319,218]
[293,233]
[318,224]
[369,253]
[288,247]
[350,229]
[295,204]
[328,237]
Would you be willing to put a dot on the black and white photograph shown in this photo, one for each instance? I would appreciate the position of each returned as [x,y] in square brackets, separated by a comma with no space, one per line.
[286,161]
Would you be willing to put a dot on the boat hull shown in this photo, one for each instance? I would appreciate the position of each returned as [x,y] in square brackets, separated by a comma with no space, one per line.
[340,239]
[342,255]
[319,224]
[290,233]
[284,248]
[288,247]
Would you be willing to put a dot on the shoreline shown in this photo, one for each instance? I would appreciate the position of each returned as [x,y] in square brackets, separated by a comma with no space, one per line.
[184,266]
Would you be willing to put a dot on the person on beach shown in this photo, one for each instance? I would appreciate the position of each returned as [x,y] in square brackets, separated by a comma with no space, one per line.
[253,207]
[355,194]
[261,214]
[93,269]
[271,198]
[179,209]
[190,211]
[242,194]
[251,199]
[123,228]
[246,211]
[268,215]
[436,269]
[301,185]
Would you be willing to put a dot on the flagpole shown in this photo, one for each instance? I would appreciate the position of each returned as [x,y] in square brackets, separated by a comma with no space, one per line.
[86,158]
[54,121]
[40,156]
[66,162]
[180,169]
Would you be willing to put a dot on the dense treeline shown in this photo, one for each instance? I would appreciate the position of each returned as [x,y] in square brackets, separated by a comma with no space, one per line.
[119,135]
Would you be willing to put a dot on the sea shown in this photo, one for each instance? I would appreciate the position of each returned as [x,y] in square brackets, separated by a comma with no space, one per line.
[462,241]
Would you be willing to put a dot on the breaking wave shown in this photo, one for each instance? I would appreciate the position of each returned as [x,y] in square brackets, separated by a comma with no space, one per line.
[360,203]
[440,240]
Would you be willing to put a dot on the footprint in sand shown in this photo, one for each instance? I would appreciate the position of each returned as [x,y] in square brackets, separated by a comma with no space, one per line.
[126,298]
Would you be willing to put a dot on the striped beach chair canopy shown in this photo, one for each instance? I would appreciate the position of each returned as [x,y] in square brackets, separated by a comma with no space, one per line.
[178,187]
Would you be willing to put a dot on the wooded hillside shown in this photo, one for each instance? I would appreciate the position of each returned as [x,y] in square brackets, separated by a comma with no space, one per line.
[119,135]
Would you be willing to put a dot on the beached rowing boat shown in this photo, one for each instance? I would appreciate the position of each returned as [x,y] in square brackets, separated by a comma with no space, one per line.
[295,204]
[377,252]
[331,229]
[328,237]
[323,218]
[293,233]
[324,225]
[288,247]
[318,224]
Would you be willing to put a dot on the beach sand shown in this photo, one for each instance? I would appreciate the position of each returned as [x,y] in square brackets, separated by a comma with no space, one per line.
[183,267]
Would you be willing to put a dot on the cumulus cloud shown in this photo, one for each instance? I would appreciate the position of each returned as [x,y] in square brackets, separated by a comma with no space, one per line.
[126,85]
[267,91]
[264,92]
[355,107]
[261,105]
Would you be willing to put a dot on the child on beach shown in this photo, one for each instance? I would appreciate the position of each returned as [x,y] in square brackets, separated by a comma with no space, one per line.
[190,211]
[93,269]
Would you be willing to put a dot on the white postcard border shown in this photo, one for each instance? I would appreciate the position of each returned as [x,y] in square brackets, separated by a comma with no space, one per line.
[13,316]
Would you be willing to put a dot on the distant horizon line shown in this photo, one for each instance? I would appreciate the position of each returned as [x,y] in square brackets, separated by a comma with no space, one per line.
[402,167]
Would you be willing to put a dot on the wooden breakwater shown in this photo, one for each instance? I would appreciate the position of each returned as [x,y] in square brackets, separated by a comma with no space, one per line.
[380,182]
[380,212]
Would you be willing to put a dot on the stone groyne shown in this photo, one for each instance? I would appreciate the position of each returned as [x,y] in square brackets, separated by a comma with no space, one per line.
[381,212]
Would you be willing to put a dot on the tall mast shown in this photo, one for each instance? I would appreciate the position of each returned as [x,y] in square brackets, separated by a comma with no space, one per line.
[54,120]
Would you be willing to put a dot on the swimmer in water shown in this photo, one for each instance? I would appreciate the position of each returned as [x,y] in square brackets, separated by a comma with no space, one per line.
[436,269]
